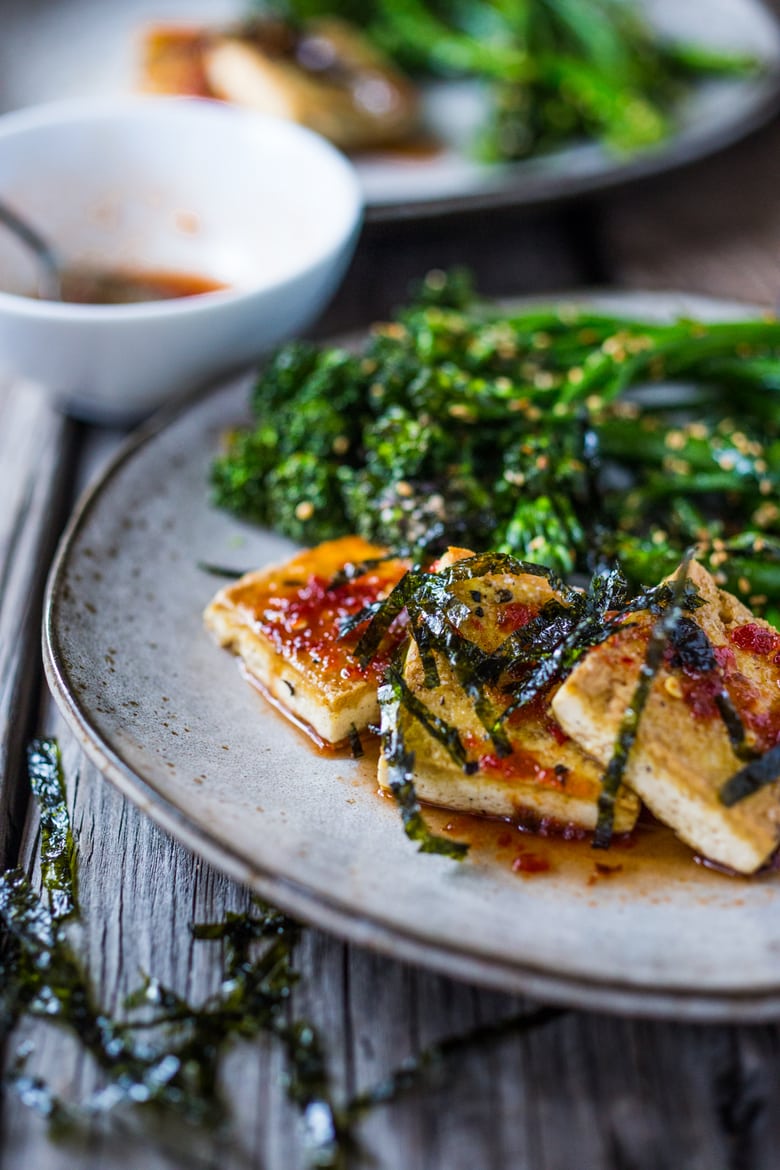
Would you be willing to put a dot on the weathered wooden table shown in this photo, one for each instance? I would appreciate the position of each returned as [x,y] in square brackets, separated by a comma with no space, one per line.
[583,1091]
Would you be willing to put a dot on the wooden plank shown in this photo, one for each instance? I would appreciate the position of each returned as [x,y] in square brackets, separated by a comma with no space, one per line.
[36,449]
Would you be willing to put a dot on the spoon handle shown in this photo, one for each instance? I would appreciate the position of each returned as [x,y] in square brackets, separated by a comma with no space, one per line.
[49,286]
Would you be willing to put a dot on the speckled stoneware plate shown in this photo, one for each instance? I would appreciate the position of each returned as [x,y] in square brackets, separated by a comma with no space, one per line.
[167,717]
[90,47]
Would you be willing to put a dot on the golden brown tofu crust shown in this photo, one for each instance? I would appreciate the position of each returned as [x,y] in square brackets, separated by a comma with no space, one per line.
[547,776]
[682,754]
[283,622]
[241,68]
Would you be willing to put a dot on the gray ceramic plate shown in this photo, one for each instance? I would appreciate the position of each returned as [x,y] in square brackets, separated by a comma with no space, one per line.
[169,720]
[53,50]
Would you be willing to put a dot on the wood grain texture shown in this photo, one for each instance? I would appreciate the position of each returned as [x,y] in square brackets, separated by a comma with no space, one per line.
[35,502]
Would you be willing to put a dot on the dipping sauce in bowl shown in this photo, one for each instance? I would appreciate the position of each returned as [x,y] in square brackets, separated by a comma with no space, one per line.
[119,188]
[94,286]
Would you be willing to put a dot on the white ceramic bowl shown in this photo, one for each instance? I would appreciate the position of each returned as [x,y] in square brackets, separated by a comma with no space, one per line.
[175,184]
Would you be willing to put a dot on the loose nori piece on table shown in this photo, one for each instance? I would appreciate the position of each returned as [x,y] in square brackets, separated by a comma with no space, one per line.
[58,865]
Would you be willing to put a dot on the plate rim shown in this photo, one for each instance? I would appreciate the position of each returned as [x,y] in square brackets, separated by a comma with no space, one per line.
[311,904]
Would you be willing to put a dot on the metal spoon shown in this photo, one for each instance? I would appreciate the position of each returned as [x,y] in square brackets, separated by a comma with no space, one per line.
[49,262]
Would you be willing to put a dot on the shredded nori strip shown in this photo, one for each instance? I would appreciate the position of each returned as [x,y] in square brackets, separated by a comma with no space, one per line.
[221,570]
[447,735]
[750,779]
[400,762]
[407,1077]
[694,652]
[41,976]
[386,613]
[355,742]
[354,569]
[178,1072]
[573,630]
[350,623]
[629,725]
[58,867]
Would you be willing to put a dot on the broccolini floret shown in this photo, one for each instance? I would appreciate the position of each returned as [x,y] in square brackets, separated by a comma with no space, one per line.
[512,430]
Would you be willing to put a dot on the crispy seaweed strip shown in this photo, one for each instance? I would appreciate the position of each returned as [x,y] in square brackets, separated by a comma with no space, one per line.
[385,615]
[354,569]
[447,735]
[355,742]
[735,728]
[400,764]
[221,570]
[40,975]
[58,863]
[694,652]
[431,630]
[585,625]
[408,1076]
[179,1071]
[348,624]
[754,776]
[660,634]
[424,641]
[492,562]
[43,976]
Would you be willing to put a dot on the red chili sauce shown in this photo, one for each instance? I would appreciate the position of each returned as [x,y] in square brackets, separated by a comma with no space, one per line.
[305,622]
[758,708]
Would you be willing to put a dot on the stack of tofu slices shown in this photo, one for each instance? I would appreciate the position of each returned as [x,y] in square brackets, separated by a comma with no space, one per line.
[287,625]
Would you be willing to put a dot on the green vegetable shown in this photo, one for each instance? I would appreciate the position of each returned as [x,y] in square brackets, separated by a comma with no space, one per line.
[555,70]
[538,432]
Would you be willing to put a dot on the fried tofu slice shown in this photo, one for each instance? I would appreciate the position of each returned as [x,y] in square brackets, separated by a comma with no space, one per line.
[547,780]
[172,60]
[682,754]
[327,77]
[284,624]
